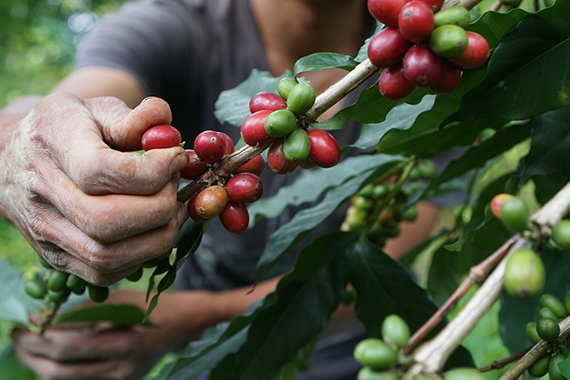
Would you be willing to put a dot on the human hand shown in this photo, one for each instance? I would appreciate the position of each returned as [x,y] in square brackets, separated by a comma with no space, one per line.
[87,204]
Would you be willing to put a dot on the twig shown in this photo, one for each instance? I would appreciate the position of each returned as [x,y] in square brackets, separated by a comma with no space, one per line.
[498,364]
[45,322]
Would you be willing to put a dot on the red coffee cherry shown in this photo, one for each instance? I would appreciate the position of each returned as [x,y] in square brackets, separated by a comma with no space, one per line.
[393,83]
[255,166]
[161,137]
[325,151]
[244,188]
[421,66]
[191,208]
[253,129]
[386,11]
[435,5]
[497,203]
[416,21]
[229,143]
[476,53]
[195,168]
[235,217]
[210,146]
[449,80]
[266,101]
[211,201]
[276,159]
[387,47]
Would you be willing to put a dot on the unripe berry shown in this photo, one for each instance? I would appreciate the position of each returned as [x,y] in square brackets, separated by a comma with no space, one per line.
[325,151]
[524,274]
[266,101]
[416,21]
[387,48]
[253,129]
[452,16]
[280,123]
[297,145]
[211,201]
[476,53]
[98,293]
[191,208]
[448,41]
[393,84]
[301,98]
[210,146]
[244,188]
[421,66]
[497,203]
[161,137]
[284,87]
[195,167]
[561,233]
[235,217]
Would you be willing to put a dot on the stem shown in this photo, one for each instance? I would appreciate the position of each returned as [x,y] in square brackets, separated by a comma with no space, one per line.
[535,353]
[558,206]
[46,320]
[498,364]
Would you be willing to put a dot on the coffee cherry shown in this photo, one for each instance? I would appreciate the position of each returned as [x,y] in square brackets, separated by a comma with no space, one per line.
[368,373]
[448,41]
[421,66]
[98,294]
[280,123]
[136,275]
[540,367]
[561,233]
[255,166]
[355,218]
[379,190]
[416,21]
[76,284]
[476,53]
[161,137]
[449,80]
[387,48]
[35,288]
[524,274]
[411,214]
[452,16]
[395,330]
[497,203]
[427,169]
[210,146]
[253,129]
[297,145]
[554,371]
[191,208]
[531,332]
[284,87]
[515,215]
[375,353]
[393,84]
[211,201]
[548,329]
[266,101]
[56,281]
[325,151]
[545,312]
[195,168]
[60,296]
[229,143]
[464,373]
[235,217]
[386,11]
[301,98]
[44,263]
[277,161]
[554,304]
[363,203]
[244,188]
[307,163]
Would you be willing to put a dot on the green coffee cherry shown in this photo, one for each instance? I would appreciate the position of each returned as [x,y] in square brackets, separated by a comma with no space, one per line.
[554,304]
[553,370]
[411,214]
[375,353]
[355,218]
[515,215]
[135,276]
[464,373]
[451,16]
[56,281]
[391,229]
[548,329]
[58,297]
[448,41]
[76,284]
[427,169]
[546,313]
[567,302]
[98,293]
[395,330]
[367,373]
[367,191]
[531,332]
[540,367]
[301,98]
[297,145]
[35,288]
[284,87]
[44,263]
[561,233]
[524,274]
[280,123]
[349,297]
[363,203]
[380,191]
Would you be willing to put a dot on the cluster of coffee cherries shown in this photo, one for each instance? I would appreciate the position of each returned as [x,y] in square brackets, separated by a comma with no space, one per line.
[55,286]
[278,121]
[224,199]
[422,46]
[547,329]
[371,196]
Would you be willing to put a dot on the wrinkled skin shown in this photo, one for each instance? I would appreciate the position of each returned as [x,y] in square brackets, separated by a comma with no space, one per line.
[83,201]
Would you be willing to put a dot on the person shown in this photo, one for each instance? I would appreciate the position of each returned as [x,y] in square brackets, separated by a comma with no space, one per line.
[91,207]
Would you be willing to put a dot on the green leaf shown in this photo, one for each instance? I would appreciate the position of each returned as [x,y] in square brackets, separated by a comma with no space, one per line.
[232,105]
[550,144]
[528,72]
[15,304]
[323,61]
[446,272]
[12,369]
[123,314]
[318,180]
[516,313]
[307,220]
[306,299]
[564,366]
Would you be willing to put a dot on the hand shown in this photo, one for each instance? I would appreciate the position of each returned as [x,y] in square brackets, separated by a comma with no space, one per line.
[83,201]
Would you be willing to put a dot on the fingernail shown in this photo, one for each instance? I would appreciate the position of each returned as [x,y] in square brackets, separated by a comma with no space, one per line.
[179,163]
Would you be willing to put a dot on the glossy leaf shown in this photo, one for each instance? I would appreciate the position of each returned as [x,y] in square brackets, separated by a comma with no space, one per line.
[565,367]
[323,61]
[12,369]
[15,304]
[119,314]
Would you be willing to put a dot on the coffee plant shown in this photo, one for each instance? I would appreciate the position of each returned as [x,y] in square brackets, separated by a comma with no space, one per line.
[488,82]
